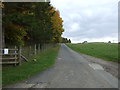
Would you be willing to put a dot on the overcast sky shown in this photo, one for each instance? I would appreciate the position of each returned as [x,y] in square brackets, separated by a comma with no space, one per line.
[89,20]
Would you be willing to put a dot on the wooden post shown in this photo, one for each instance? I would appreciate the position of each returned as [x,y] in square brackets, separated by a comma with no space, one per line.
[19,55]
[1,47]
[38,48]
[43,47]
[29,51]
[1,41]
[35,49]
[15,56]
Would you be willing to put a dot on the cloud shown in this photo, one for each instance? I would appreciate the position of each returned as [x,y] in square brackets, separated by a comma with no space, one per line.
[92,20]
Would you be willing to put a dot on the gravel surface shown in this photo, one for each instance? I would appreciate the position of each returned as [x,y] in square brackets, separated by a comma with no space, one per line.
[111,67]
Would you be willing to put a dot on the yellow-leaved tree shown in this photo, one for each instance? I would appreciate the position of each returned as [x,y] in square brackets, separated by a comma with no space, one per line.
[57,26]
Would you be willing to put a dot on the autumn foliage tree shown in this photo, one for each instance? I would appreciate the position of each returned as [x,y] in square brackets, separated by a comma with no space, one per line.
[31,22]
[57,26]
[14,34]
[12,25]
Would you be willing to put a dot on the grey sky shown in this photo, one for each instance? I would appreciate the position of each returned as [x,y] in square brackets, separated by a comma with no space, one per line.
[89,20]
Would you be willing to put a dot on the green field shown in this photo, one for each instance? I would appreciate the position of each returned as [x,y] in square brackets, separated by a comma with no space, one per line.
[106,51]
[12,74]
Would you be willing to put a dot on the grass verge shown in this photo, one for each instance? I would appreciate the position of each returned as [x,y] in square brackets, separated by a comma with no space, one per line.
[12,74]
[106,51]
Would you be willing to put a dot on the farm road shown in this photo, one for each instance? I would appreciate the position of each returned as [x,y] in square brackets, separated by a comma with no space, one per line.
[71,71]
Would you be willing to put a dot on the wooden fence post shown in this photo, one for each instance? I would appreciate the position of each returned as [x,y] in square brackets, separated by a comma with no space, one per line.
[38,48]
[35,49]
[29,51]
[15,56]
[19,55]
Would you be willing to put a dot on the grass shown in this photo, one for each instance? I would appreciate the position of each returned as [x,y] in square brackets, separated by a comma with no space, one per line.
[106,51]
[12,74]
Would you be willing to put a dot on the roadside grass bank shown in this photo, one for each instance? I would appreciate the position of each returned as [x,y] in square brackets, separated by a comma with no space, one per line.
[106,51]
[45,60]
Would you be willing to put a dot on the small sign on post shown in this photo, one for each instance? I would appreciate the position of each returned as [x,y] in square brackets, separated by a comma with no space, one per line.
[6,51]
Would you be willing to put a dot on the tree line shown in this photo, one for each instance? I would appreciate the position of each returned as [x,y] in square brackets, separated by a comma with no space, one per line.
[66,40]
[31,22]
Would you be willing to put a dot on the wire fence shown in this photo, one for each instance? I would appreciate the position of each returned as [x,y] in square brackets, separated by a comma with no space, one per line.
[32,50]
